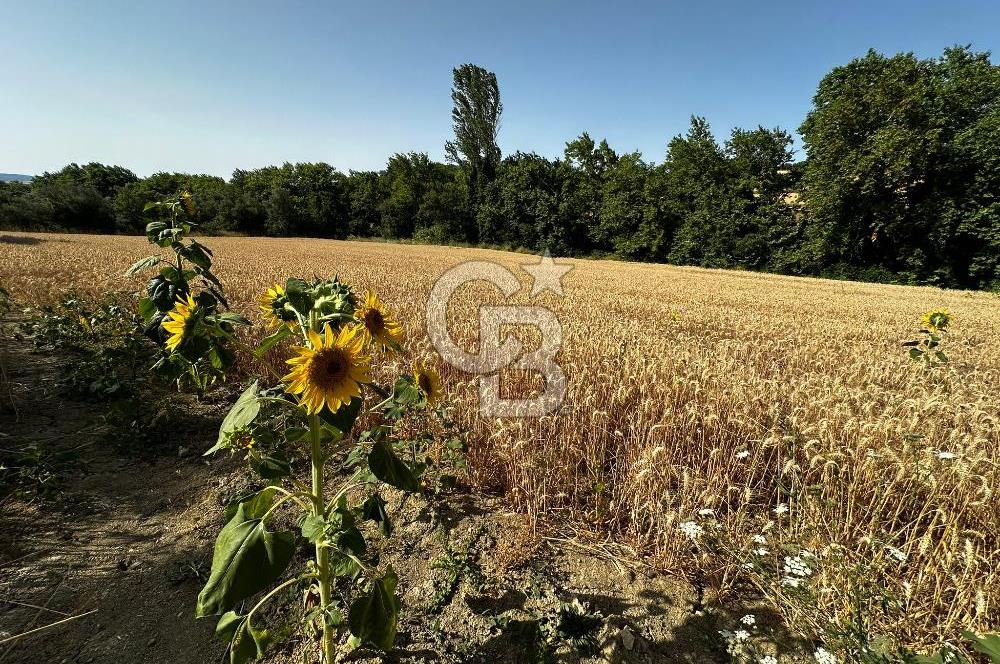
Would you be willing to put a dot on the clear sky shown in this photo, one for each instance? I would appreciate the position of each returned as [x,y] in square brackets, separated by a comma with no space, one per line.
[210,86]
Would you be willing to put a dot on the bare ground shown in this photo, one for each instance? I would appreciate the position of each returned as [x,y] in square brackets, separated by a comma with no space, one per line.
[127,541]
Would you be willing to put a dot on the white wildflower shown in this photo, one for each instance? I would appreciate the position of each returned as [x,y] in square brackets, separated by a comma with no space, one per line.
[741,635]
[790,582]
[759,539]
[900,556]
[707,511]
[797,567]
[691,530]
[742,454]
[947,456]
[749,619]
[780,509]
[824,656]
[768,659]
[762,551]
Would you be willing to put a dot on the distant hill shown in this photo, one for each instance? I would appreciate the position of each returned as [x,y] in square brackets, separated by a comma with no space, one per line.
[15,177]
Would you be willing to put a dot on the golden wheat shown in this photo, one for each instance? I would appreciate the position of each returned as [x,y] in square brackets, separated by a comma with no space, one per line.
[693,389]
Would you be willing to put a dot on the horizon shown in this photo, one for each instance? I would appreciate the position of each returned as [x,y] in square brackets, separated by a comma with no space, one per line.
[125,85]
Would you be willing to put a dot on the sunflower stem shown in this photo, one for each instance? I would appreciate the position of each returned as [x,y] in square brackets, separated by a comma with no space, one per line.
[322,553]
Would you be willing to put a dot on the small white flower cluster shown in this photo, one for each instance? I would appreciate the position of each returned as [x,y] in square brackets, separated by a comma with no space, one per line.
[797,567]
[761,549]
[947,456]
[706,512]
[824,656]
[740,645]
[691,530]
[780,508]
[743,454]
[736,642]
[899,555]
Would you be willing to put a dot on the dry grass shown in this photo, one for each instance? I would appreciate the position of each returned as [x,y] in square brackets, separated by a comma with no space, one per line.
[673,372]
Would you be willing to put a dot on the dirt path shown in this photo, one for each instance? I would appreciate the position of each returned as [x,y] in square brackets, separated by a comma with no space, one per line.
[122,541]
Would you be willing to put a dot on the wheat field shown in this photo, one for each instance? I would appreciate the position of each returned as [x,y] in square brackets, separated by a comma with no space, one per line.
[693,390]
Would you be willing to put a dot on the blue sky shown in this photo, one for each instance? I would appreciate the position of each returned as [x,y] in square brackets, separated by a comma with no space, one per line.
[213,86]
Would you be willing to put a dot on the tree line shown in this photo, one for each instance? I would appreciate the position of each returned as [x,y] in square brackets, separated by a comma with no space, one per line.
[900,183]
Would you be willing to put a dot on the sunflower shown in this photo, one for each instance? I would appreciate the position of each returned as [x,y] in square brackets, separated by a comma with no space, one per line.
[176,322]
[266,304]
[187,200]
[329,371]
[936,319]
[376,324]
[428,382]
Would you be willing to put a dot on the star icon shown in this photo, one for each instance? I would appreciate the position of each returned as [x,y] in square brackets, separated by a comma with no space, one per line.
[547,275]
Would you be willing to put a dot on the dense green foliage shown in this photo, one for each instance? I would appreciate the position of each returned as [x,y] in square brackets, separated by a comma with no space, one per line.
[901,182]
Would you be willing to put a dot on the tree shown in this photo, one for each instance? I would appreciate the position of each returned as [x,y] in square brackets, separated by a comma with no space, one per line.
[210,194]
[366,191]
[896,165]
[476,120]
[79,197]
[590,162]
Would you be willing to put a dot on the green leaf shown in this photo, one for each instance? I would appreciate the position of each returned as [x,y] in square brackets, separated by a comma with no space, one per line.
[374,509]
[373,617]
[343,419]
[941,356]
[405,391]
[268,342]
[146,308]
[245,642]
[242,414]
[386,466]
[232,319]
[987,644]
[197,254]
[343,565]
[915,353]
[299,295]
[255,505]
[313,527]
[351,540]
[142,264]
[272,466]
[246,560]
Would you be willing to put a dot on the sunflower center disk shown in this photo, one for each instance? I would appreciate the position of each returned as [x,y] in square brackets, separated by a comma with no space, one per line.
[425,383]
[374,320]
[329,368]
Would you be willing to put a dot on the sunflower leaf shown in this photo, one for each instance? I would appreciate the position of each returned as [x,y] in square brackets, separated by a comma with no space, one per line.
[987,644]
[270,341]
[142,264]
[374,509]
[343,419]
[373,617]
[246,560]
[388,467]
[245,642]
[243,412]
